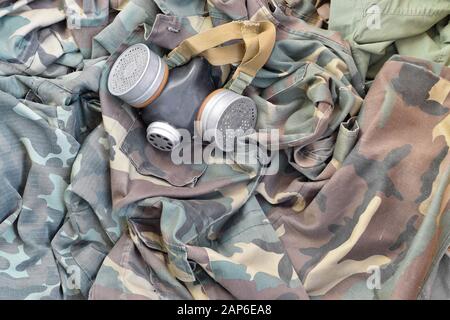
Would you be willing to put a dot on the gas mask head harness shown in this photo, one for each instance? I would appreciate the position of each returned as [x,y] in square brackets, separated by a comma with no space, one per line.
[187,96]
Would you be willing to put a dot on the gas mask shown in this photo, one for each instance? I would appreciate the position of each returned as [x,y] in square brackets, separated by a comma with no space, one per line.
[180,91]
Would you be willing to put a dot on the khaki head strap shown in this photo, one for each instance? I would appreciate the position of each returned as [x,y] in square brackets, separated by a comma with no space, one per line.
[258,42]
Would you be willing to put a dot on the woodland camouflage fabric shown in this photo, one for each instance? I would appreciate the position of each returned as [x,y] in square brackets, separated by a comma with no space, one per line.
[361,177]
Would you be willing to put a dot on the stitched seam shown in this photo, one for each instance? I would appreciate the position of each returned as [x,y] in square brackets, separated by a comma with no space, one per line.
[312,35]
[299,79]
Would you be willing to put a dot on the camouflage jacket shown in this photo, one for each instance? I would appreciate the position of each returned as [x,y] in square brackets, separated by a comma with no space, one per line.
[353,204]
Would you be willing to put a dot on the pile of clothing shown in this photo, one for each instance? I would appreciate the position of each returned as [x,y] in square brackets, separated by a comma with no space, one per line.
[353,204]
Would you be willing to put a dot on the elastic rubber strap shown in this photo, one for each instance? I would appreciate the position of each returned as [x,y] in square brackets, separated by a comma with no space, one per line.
[258,42]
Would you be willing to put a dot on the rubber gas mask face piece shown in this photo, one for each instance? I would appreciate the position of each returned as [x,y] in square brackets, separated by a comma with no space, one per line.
[186,97]
[177,100]
[174,100]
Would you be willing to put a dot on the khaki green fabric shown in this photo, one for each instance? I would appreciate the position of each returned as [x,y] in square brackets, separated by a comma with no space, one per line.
[377,29]
[258,42]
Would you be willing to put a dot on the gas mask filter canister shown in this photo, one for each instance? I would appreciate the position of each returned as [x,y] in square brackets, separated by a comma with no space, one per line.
[225,115]
[138,76]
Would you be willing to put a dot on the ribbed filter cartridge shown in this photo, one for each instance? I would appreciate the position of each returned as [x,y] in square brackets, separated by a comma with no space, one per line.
[138,76]
[224,116]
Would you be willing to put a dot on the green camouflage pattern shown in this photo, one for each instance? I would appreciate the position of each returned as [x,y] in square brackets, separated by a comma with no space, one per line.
[395,214]
[357,186]
[43,123]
